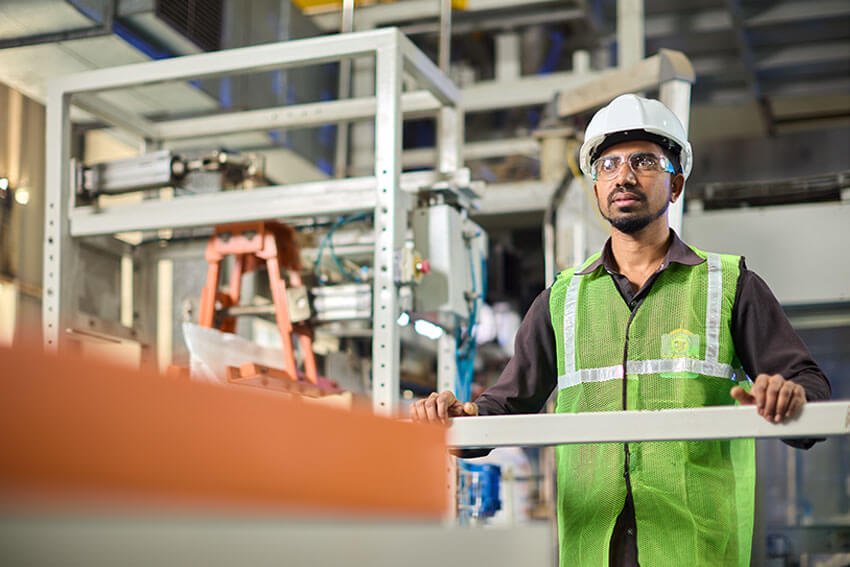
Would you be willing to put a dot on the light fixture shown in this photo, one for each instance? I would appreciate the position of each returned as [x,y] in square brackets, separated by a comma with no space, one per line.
[403,319]
[428,329]
[4,183]
[22,195]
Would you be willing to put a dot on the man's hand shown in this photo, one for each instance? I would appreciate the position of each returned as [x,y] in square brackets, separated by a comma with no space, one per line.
[438,408]
[775,397]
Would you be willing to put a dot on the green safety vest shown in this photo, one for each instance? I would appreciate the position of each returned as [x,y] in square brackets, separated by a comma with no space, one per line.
[693,499]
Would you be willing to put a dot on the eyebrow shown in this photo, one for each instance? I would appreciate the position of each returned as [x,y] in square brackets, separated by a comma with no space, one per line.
[644,152]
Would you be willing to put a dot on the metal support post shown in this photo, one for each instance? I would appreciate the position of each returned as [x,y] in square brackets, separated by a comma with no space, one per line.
[676,94]
[630,36]
[447,363]
[581,61]
[553,168]
[390,222]
[341,156]
[444,54]
[59,248]
[507,56]
[146,283]
[361,148]
[451,139]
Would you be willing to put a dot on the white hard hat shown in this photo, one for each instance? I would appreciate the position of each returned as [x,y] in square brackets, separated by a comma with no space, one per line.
[630,117]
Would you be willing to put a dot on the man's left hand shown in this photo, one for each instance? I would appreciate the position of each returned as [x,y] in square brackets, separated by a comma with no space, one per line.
[775,397]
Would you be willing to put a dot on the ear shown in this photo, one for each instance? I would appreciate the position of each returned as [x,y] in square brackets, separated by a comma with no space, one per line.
[677,185]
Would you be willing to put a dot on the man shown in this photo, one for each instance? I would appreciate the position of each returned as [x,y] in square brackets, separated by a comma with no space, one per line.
[680,324]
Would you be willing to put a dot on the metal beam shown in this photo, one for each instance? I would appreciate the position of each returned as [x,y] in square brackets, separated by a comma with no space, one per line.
[838,86]
[815,419]
[55,37]
[673,24]
[426,73]
[386,14]
[665,25]
[526,91]
[799,55]
[293,116]
[464,25]
[519,197]
[104,28]
[427,157]
[800,10]
[328,197]
[666,65]
[255,59]
[116,116]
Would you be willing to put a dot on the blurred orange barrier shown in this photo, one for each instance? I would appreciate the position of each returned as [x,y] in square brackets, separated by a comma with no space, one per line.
[79,432]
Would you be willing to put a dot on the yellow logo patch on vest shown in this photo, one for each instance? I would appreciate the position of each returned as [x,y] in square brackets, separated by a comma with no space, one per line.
[680,343]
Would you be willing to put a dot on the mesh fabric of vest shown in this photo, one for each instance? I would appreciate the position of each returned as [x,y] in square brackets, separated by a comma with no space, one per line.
[693,500]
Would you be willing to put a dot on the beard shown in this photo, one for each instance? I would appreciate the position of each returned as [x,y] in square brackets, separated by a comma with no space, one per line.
[633,221]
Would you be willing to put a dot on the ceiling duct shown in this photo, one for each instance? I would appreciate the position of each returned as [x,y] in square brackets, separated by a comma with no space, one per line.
[42,39]
[180,26]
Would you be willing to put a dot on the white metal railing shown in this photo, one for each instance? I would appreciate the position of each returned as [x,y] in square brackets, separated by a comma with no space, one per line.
[815,419]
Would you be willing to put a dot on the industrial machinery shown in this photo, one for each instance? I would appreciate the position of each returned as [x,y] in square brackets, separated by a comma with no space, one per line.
[165,168]
[378,244]
[478,492]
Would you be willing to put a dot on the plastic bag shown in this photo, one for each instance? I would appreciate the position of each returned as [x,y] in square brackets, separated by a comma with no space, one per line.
[212,351]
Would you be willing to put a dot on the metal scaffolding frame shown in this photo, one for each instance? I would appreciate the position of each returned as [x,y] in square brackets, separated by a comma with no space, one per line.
[385,192]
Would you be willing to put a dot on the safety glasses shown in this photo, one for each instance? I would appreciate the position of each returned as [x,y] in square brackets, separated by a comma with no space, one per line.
[641,163]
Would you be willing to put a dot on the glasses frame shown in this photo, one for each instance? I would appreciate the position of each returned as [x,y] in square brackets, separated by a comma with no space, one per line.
[664,162]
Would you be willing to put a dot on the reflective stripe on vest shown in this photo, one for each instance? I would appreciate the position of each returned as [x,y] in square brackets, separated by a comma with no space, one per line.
[708,367]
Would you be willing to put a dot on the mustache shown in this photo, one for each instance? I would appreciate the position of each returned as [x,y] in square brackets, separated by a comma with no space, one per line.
[619,190]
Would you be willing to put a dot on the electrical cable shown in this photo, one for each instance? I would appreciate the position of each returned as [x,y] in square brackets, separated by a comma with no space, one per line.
[465,340]
[328,241]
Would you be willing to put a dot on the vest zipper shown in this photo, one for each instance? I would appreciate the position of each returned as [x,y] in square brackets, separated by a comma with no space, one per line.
[633,306]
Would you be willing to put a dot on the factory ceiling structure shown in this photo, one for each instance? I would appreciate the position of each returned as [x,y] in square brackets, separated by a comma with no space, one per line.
[789,60]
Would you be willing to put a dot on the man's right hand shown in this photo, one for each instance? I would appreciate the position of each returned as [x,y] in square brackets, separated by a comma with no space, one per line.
[438,408]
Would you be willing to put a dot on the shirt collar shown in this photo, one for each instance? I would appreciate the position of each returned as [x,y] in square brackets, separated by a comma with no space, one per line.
[678,252]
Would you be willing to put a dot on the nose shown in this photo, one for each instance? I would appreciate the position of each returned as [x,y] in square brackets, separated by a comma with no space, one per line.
[625,174]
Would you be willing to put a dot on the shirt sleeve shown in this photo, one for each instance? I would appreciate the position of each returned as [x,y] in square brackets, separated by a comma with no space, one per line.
[766,343]
[532,373]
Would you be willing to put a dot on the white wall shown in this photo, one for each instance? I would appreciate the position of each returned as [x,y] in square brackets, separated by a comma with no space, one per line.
[802,251]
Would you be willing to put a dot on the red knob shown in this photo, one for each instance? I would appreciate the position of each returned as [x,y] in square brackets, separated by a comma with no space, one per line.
[423,267]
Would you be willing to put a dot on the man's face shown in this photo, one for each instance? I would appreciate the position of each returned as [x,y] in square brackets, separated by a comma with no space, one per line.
[630,200]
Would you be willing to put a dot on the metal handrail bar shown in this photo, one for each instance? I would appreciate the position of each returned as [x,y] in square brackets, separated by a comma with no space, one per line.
[814,420]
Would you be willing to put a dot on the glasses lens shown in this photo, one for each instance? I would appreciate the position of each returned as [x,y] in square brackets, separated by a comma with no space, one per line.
[608,166]
[644,162]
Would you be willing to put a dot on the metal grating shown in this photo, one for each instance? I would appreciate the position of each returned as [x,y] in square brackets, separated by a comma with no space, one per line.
[199,20]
